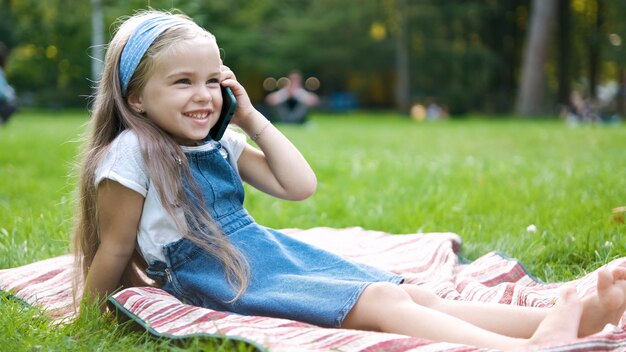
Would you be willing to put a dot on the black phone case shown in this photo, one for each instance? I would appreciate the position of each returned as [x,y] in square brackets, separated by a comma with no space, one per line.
[229,104]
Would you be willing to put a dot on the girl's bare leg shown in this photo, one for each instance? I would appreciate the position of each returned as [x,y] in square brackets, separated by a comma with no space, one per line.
[387,307]
[606,305]
[509,320]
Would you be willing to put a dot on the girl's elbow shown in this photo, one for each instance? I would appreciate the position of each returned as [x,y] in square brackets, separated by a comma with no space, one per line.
[306,190]
[309,192]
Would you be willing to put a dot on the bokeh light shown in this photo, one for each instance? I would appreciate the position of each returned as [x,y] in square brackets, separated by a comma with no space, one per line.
[283,82]
[312,83]
[269,84]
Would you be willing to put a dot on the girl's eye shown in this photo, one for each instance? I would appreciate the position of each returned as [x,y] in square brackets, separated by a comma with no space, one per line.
[183,81]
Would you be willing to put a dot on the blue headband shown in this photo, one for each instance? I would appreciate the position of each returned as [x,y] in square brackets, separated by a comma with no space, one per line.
[140,41]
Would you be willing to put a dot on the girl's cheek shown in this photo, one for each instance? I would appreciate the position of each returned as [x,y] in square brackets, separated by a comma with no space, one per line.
[218,102]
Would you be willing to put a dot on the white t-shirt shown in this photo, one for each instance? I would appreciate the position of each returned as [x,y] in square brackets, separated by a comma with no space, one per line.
[124,164]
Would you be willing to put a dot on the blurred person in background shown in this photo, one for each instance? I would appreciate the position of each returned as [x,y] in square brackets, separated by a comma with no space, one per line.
[8,99]
[292,102]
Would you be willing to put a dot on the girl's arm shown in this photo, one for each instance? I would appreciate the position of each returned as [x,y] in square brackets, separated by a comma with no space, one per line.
[277,168]
[119,211]
[135,272]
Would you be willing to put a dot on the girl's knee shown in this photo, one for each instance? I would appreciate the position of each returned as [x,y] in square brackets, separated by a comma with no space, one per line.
[377,301]
[420,295]
[382,291]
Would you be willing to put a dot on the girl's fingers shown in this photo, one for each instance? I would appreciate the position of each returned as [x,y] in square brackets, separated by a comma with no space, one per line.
[227,73]
[244,106]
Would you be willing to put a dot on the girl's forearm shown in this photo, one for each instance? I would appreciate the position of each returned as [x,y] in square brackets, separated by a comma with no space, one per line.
[104,276]
[291,170]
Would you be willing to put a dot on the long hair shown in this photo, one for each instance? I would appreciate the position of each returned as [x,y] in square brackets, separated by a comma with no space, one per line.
[162,156]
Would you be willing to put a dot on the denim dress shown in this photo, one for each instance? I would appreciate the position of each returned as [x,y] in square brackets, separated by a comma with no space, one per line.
[288,278]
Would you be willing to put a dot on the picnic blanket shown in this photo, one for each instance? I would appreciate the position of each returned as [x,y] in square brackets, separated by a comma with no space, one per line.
[431,260]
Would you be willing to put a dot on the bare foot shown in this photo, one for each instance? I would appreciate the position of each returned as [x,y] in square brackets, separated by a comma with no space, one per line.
[562,323]
[607,305]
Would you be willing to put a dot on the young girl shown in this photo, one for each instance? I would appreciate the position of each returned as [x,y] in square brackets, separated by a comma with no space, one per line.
[151,179]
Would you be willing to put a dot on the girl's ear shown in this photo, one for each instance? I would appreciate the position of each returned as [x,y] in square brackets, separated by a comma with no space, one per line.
[136,103]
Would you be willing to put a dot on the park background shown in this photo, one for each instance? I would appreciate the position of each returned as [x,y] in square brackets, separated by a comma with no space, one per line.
[505,172]
[478,56]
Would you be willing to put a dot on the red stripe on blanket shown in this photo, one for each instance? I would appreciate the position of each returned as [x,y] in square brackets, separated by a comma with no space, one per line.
[38,279]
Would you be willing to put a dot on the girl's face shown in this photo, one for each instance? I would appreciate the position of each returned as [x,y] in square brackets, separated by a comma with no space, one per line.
[182,95]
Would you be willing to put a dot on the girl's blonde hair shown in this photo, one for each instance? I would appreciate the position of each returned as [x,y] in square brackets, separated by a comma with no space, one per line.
[163,157]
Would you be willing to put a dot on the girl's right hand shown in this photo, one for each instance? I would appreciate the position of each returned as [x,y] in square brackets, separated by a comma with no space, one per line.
[245,110]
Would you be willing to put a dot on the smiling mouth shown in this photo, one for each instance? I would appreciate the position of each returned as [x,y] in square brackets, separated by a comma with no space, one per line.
[198,115]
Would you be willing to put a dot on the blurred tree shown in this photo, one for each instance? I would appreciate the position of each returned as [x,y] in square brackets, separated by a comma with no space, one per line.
[530,99]
[564,52]
[467,55]
[49,65]
[595,38]
[7,25]
[614,54]
[327,38]
[97,39]
[595,58]
[397,20]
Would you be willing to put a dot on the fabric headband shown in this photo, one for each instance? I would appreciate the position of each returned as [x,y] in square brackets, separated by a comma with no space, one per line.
[140,41]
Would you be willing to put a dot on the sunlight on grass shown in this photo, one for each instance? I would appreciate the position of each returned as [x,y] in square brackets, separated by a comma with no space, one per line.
[538,191]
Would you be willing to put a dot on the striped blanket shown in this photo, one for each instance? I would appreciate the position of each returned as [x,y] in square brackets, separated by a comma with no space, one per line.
[430,259]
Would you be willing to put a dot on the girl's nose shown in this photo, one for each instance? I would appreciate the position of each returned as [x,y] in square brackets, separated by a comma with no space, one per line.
[202,94]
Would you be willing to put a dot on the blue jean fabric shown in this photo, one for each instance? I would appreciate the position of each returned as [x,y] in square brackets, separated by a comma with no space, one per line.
[289,279]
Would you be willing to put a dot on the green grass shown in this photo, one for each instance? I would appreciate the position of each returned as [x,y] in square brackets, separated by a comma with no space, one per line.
[484,179]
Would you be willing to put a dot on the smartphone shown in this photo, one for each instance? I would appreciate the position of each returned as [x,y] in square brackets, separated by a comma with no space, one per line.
[229,104]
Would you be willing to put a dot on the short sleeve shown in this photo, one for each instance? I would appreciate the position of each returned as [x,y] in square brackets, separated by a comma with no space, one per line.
[234,142]
[124,164]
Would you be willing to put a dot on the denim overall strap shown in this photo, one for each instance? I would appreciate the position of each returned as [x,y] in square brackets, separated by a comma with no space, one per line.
[219,184]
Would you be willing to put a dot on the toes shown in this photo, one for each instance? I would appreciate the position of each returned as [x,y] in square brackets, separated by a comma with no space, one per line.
[619,273]
[612,288]
[605,278]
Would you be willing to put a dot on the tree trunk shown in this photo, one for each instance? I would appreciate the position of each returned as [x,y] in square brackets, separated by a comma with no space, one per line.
[565,52]
[97,40]
[403,86]
[530,96]
[594,48]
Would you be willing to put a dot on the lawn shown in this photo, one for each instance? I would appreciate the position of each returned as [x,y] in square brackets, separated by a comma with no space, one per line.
[492,181]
